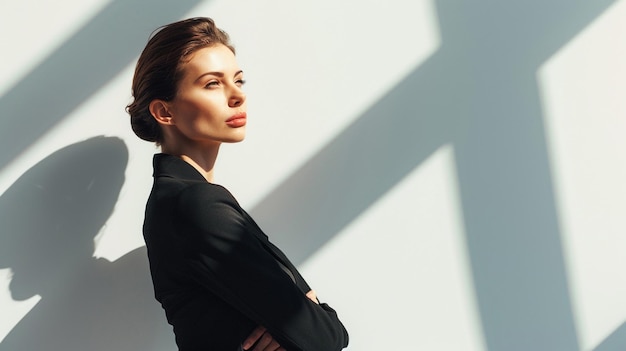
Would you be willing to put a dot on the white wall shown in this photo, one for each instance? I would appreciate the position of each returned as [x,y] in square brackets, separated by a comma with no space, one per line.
[447,174]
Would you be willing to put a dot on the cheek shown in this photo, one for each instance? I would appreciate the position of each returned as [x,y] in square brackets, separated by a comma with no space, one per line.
[186,109]
[199,108]
[199,118]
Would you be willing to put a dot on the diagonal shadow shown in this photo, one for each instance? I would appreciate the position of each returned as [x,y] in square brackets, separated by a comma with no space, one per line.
[360,165]
[614,342]
[79,68]
[478,92]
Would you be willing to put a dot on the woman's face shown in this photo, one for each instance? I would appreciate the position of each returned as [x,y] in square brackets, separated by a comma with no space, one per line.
[210,106]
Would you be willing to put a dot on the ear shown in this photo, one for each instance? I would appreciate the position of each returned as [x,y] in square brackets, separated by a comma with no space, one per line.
[159,110]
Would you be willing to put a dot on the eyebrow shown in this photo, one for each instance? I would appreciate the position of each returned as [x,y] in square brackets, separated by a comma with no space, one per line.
[218,74]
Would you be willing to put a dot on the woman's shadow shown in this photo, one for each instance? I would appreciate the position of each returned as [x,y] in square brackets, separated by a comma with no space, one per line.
[48,220]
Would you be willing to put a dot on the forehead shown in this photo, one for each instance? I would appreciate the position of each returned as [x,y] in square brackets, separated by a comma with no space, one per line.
[217,58]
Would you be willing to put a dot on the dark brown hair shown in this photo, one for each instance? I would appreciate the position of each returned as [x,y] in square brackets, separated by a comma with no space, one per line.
[159,68]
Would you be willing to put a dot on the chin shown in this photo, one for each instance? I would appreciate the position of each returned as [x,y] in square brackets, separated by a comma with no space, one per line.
[239,137]
[237,140]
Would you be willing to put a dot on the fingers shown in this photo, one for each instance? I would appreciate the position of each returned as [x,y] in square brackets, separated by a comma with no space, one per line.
[312,296]
[254,336]
[266,343]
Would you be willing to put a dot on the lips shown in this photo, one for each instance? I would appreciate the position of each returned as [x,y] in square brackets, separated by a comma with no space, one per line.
[237,120]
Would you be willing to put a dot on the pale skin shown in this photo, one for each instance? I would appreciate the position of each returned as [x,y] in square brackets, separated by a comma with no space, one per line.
[209,109]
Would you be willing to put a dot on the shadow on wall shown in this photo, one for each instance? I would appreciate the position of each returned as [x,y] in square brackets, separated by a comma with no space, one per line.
[479,93]
[48,219]
[614,342]
[45,238]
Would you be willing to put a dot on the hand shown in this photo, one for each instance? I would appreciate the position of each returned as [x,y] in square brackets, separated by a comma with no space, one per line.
[264,341]
[312,296]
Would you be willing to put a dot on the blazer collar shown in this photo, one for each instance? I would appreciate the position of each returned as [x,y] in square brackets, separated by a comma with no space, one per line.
[172,166]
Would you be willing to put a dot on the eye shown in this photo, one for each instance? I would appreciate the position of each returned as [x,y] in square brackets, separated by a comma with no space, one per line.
[212,84]
[240,82]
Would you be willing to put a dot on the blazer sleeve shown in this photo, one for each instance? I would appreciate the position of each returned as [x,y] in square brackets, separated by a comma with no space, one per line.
[228,260]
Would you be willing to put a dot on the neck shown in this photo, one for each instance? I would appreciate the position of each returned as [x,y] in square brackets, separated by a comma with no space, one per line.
[201,158]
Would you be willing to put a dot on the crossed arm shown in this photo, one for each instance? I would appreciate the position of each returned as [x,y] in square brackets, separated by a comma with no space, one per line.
[230,257]
[264,340]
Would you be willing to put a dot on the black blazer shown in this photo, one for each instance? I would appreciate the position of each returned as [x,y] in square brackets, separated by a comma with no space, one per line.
[218,276]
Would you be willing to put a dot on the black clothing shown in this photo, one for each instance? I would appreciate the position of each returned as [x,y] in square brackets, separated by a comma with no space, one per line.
[217,275]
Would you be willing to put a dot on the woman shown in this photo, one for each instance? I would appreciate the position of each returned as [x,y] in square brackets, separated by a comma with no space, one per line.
[222,284]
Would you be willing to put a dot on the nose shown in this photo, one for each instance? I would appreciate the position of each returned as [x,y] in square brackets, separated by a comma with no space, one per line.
[237,97]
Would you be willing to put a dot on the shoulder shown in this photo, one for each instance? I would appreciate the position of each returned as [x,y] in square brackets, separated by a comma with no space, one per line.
[208,205]
[204,194]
